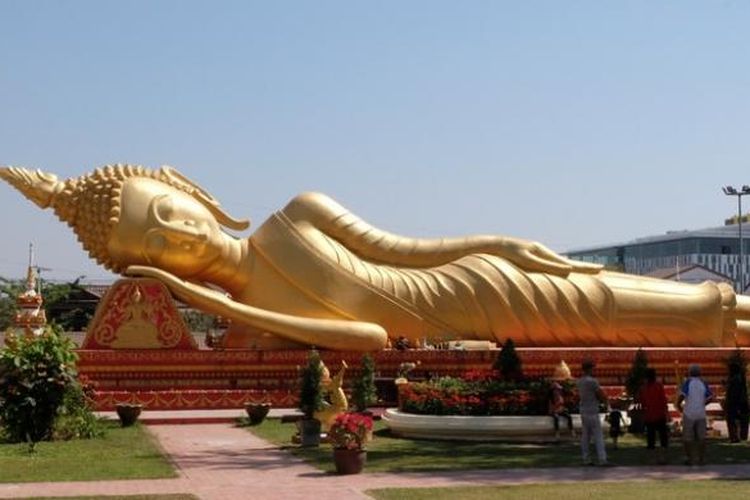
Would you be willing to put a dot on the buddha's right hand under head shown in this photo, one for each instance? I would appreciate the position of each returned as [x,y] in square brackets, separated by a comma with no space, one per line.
[189,292]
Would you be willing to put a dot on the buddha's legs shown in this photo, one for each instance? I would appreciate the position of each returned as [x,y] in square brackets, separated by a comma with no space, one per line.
[664,313]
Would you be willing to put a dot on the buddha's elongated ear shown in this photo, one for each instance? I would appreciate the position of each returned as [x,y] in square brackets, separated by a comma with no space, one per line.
[211,203]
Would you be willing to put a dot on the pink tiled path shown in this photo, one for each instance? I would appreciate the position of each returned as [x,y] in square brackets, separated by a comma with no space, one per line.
[218,461]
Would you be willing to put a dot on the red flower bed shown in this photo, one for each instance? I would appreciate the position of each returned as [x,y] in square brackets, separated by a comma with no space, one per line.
[478,394]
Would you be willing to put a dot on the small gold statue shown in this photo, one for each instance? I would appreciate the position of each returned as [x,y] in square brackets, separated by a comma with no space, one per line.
[315,274]
[332,389]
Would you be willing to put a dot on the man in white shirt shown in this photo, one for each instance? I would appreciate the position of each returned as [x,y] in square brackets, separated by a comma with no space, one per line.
[591,395]
[694,396]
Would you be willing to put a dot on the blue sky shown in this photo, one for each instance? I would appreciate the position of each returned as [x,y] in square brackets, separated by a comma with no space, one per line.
[572,123]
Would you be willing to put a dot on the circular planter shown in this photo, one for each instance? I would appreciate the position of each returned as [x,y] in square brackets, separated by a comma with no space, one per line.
[349,461]
[256,412]
[128,413]
[500,428]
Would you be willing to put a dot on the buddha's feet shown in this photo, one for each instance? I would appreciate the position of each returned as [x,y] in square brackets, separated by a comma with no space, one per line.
[736,309]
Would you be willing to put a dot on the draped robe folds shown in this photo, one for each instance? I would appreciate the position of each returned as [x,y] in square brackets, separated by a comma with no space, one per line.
[312,272]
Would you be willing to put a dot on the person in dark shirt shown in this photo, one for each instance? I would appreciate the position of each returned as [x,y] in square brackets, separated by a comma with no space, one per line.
[655,415]
[736,404]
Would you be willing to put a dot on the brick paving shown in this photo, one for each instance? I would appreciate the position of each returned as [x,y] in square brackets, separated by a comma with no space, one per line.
[218,461]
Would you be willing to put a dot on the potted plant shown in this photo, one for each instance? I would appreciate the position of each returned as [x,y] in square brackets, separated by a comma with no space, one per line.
[256,412]
[128,413]
[349,436]
[364,392]
[310,400]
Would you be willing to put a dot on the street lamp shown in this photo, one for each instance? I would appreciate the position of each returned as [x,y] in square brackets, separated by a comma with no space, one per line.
[730,191]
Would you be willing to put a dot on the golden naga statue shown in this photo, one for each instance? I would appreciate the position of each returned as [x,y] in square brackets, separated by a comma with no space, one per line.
[315,274]
[332,389]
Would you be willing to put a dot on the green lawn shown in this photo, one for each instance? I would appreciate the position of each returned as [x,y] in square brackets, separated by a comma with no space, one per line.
[129,453]
[661,490]
[390,454]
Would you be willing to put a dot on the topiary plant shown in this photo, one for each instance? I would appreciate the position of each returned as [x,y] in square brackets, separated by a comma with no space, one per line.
[310,397]
[637,374]
[507,363]
[737,361]
[364,392]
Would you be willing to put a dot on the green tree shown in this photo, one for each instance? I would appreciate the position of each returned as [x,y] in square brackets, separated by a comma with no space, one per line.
[197,321]
[9,291]
[56,297]
[364,392]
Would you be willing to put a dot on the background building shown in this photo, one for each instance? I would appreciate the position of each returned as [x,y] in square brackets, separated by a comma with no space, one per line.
[677,253]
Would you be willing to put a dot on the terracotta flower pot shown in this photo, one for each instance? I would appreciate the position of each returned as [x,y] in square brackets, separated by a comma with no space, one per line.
[128,413]
[349,461]
[256,412]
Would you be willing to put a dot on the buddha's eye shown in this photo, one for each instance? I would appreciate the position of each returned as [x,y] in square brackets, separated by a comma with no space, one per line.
[190,223]
[155,245]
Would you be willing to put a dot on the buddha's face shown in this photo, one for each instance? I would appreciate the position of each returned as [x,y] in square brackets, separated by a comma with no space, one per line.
[163,227]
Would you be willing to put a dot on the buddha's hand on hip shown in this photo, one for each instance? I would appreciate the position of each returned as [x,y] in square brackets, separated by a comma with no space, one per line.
[535,257]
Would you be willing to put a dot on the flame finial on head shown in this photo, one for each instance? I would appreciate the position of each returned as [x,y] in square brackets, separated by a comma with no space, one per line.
[40,187]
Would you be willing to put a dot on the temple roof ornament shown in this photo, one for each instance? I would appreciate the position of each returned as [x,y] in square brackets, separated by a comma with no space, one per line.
[30,315]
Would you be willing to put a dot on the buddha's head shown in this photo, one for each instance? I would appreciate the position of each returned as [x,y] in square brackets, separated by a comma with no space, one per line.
[125,215]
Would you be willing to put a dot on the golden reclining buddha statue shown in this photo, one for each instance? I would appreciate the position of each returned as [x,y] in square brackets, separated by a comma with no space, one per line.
[316,274]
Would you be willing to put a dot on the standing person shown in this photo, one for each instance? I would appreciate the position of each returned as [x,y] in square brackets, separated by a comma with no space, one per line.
[591,395]
[736,404]
[655,415]
[615,421]
[557,408]
[694,396]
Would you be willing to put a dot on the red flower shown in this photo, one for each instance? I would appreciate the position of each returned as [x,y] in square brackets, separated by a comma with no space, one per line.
[350,431]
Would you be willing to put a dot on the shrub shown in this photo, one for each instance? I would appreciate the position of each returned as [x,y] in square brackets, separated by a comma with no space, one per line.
[311,398]
[76,419]
[737,361]
[35,375]
[508,364]
[637,374]
[364,392]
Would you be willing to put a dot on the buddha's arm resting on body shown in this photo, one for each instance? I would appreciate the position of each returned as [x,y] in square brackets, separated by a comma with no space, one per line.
[326,333]
[326,215]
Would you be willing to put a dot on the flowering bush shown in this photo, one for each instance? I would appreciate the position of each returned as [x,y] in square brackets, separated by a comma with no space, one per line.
[35,375]
[350,431]
[479,394]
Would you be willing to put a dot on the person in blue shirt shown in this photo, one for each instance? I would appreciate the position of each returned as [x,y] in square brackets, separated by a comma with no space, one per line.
[694,396]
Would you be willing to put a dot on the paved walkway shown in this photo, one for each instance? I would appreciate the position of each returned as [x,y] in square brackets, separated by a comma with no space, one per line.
[218,461]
